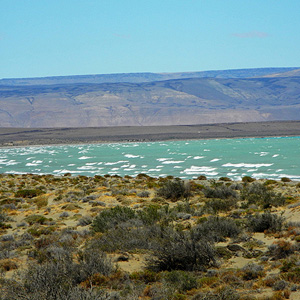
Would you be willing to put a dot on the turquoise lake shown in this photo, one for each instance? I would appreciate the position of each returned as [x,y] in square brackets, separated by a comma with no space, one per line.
[257,157]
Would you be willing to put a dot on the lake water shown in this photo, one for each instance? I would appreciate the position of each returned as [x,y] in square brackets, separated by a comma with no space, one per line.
[257,157]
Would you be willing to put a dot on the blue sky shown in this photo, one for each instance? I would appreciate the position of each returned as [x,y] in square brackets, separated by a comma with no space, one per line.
[77,37]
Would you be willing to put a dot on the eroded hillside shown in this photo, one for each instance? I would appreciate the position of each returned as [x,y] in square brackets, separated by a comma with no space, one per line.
[171,102]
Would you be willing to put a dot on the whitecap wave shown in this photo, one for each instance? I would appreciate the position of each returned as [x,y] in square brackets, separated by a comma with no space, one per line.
[31,165]
[86,168]
[167,162]
[162,159]
[241,165]
[131,156]
[203,170]
[115,163]
[215,159]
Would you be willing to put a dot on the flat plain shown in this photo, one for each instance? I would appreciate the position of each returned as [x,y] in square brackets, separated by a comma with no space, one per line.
[48,136]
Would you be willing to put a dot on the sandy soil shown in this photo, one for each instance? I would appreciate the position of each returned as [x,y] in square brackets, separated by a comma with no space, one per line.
[47,136]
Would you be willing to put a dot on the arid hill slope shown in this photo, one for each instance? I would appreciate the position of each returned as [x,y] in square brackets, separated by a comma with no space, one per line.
[171,102]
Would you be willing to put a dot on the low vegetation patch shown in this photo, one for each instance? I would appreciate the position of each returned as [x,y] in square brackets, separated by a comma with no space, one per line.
[174,190]
[113,238]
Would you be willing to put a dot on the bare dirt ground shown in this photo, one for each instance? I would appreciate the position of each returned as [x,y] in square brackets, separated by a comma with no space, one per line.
[47,136]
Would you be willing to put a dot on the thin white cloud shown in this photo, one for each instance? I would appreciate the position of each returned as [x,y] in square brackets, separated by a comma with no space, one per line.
[251,34]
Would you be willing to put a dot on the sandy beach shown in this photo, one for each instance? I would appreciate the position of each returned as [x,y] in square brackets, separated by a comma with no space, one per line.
[49,136]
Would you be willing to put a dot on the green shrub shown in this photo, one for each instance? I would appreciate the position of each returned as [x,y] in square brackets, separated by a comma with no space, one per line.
[259,194]
[174,190]
[4,218]
[252,271]
[293,275]
[38,231]
[248,179]
[180,250]
[29,193]
[281,249]
[126,238]
[143,194]
[265,222]
[223,252]
[145,276]
[225,179]
[222,192]
[36,219]
[217,205]
[93,262]
[182,280]
[225,293]
[216,229]
[112,217]
[285,179]
[41,202]
[59,279]
[150,214]
[280,285]
[270,181]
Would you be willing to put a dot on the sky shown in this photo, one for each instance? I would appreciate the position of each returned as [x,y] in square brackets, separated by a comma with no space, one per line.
[79,37]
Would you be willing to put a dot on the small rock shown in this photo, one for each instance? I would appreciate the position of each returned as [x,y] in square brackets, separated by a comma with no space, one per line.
[236,248]
[122,257]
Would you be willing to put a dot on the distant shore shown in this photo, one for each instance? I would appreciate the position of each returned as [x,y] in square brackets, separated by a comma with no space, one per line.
[10,137]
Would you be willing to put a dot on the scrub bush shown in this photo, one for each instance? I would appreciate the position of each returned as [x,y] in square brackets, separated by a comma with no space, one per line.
[265,222]
[112,217]
[180,250]
[182,280]
[59,279]
[174,190]
[259,194]
[252,271]
[216,205]
[29,193]
[225,293]
[216,229]
[36,219]
[222,192]
[281,249]
[248,179]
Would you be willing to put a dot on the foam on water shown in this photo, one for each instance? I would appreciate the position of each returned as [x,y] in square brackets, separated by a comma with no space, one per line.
[241,165]
[131,156]
[268,157]
[115,163]
[162,159]
[167,162]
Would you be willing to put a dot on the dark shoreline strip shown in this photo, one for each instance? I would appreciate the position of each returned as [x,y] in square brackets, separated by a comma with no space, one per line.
[48,136]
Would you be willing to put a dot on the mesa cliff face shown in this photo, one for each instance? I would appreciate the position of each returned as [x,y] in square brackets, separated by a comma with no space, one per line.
[168,102]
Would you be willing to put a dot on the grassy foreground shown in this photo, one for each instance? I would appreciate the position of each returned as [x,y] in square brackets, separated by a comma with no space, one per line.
[148,238]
